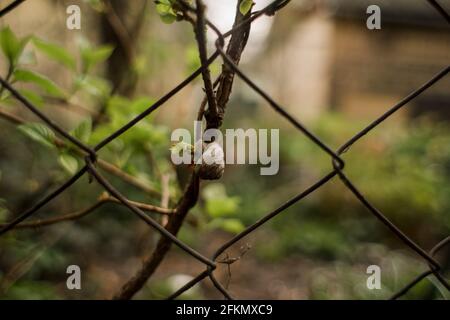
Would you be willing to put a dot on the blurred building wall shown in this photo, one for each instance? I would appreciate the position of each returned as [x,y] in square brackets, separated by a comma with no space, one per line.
[324,57]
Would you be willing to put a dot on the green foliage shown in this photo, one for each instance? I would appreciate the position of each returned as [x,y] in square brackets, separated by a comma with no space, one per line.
[166,11]
[12,46]
[97,5]
[410,162]
[141,152]
[442,290]
[41,81]
[219,206]
[120,110]
[32,290]
[315,238]
[83,131]
[193,61]
[43,88]
[68,163]
[245,6]
[231,225]
[343,280]
[192,58]
[56,53]
[95,86]
[403,170]
[91,56]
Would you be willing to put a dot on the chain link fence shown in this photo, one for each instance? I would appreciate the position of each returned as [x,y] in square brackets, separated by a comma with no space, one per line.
[176,216]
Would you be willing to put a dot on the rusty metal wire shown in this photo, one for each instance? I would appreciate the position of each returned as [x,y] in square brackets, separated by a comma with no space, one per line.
[337,167]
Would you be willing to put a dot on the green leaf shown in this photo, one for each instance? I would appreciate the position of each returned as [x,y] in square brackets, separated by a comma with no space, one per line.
[163,7]
[245,6]
[12,46]
[40,80]
[233,226]
[214,190]
[83,130]
[95,86]
[97,5]
[68,162]
[55,52]
[168,18]
[40,133]
[7,97]
[221,207]
[443,291]
[92,56]
[218,204]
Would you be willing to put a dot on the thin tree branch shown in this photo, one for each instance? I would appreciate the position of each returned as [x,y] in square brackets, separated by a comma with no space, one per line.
[56,127]
[120,30]
[144,206]
[114,170]
[73,107]
[104,198]
[235,48]
[200,33]
[62,218]
[11,117]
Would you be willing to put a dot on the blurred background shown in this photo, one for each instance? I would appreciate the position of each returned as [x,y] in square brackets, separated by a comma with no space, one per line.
[317,59]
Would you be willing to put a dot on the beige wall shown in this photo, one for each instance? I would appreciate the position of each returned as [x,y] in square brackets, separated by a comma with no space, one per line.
[298,68]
